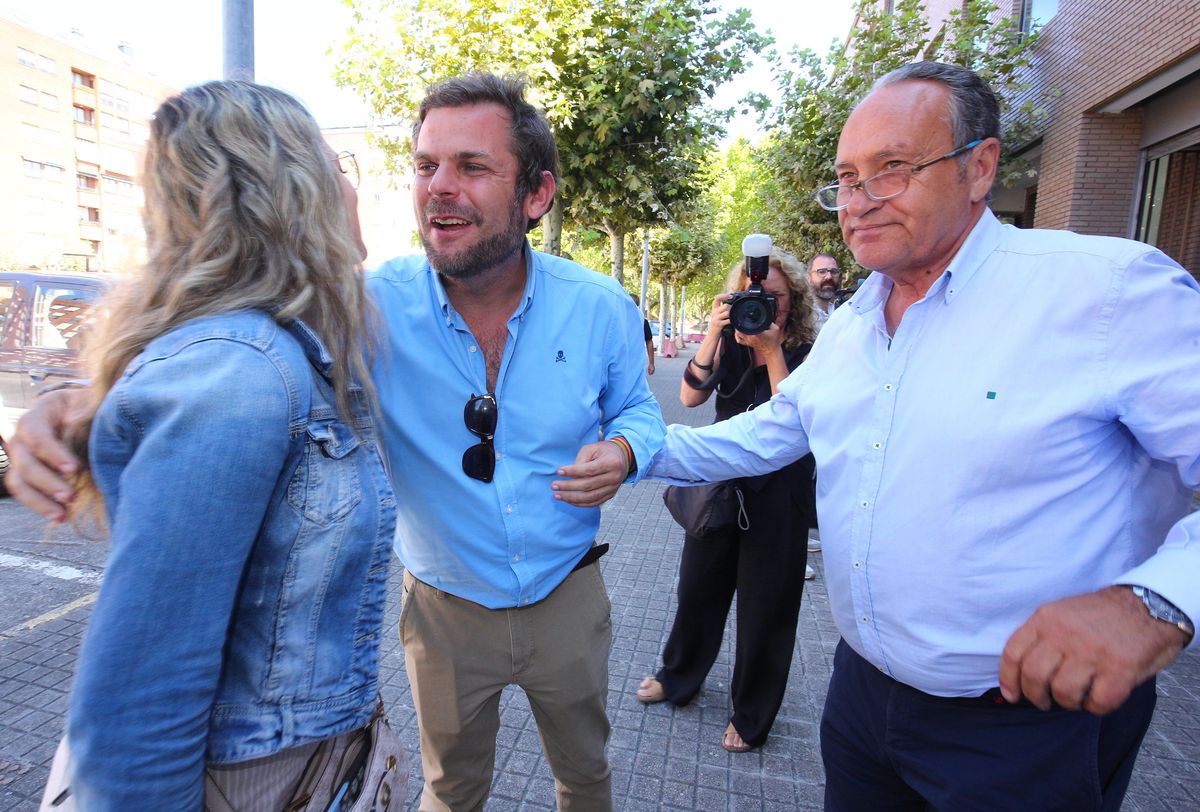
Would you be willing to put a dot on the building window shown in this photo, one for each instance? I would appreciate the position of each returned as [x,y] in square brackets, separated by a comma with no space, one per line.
[49,101]
[78,77]
[106,100]
[1037,13]
[26,57]
[86,182]
[121,187]
[47,64]
[89,214]
[28,95]
[37,169]
[40,135]
[85,116]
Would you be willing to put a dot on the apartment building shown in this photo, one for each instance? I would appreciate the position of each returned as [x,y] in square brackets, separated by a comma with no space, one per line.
[72,120]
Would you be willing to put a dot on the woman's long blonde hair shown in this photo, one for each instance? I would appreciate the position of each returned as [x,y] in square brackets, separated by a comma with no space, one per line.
[243,210]
[798,328]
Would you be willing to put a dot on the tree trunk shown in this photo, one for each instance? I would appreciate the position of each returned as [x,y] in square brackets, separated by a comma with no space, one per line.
[617,239]
[645,264]
[552,224]
[682,312]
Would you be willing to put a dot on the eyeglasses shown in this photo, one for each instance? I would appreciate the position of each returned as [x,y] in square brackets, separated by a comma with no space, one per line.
[480,415]
[347,164]
[826,271]
[882,186]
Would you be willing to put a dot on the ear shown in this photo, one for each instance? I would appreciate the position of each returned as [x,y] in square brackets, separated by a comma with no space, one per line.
[981,169]
[538,201]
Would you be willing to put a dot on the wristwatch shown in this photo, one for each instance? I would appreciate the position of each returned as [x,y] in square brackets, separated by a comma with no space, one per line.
[1162,609]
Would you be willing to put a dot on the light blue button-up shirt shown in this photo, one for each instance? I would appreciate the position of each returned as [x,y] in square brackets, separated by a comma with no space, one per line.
[1030,432]
[573,371]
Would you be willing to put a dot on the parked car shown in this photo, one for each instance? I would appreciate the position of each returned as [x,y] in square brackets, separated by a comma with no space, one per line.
[654,328]
[43,317]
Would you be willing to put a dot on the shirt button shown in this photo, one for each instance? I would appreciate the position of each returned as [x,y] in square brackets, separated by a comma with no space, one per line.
[498,456]
[877,445]
[508,509]
[864,505]
[887,387]
[516,558]
[866,619]
[857,564]
[474,349]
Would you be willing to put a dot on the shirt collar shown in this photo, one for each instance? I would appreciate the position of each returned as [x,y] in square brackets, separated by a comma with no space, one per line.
[443,301]
[314,349]
[982,240]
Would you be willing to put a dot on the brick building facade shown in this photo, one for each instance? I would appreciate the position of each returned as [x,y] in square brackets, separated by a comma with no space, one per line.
[1120,148]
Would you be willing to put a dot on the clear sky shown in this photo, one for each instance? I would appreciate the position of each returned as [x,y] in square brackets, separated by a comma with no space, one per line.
[180,42]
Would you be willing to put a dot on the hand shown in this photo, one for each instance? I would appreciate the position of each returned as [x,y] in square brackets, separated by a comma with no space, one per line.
[41,466]
[767,341]
[597,473]
[650,368]
[1087,651]
[718,317]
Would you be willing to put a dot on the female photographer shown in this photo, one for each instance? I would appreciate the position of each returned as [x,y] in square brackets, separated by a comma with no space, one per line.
[765,562]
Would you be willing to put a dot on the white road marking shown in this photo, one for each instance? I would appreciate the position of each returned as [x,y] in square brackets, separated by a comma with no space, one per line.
[60,571]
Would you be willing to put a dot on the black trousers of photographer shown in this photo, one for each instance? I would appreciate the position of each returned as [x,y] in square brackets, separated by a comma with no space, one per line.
[764,565]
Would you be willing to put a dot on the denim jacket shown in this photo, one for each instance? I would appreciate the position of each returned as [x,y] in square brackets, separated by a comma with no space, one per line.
[242,603]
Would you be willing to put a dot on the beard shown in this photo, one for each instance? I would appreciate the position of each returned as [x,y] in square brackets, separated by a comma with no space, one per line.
[489,252]
[826,291]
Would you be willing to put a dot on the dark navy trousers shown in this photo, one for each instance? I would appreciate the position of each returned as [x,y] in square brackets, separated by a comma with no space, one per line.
[888,747]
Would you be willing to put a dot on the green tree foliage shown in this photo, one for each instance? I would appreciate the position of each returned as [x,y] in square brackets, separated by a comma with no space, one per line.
[625,85]
[818,95]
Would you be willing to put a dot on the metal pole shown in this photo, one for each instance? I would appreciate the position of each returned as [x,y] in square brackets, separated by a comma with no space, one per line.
[238,35]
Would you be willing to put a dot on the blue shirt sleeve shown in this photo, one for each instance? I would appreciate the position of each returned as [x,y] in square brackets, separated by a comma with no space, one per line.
[203,437]
[627,405]
[1151,366]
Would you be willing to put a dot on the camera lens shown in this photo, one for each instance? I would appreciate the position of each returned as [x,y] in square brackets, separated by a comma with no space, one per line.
[752,313]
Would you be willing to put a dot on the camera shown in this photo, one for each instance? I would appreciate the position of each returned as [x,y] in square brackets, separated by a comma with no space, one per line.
[752,310]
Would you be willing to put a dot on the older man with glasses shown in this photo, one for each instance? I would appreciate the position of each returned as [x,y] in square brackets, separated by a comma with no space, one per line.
[1004,481]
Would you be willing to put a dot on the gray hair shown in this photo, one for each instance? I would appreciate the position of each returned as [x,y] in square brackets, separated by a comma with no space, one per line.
[974,112]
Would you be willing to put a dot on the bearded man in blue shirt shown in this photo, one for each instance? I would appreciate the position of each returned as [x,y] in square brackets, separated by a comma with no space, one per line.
[501,370]
[500,362]
[1004,480]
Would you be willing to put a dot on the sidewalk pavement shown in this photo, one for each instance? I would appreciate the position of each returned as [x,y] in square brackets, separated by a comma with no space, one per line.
[663,758]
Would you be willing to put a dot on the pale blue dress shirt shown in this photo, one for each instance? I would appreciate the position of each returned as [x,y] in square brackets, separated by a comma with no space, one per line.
[574,370]
[1032,431]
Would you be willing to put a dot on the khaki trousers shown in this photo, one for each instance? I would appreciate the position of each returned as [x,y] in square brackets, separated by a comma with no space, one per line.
[460,656]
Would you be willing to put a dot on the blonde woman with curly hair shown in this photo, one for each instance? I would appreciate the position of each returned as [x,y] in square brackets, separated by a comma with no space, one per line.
[229,435]
[763,559]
